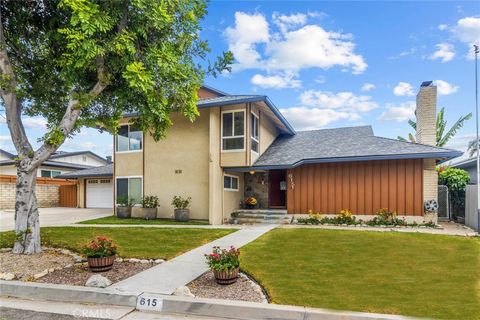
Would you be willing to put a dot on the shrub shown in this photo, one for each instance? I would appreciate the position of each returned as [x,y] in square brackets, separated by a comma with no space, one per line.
[125,201]
[150,202]
[223,259]
[100,247]
[179,202]
[386,217]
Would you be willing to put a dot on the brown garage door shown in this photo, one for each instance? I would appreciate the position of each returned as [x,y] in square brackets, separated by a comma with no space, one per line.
[362,187]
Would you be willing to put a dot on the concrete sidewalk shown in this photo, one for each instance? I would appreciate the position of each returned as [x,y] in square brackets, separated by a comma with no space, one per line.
[166,277]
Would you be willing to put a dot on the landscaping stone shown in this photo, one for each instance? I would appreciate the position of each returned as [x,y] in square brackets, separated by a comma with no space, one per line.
[79,259]
[134,260]
[119,260]
[7,276]
[183,291]
[98,281]
[40,274]
[144,261]
[159,261]
[5,249]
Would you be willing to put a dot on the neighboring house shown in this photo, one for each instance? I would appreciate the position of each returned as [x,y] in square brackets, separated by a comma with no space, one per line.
[241,145]
[95,186]
[58,163]
[469,165]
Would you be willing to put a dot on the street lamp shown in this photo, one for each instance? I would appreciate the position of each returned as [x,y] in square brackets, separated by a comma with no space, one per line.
[476,50]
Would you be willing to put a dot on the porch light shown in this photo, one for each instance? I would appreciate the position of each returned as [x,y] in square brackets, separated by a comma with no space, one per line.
[252,172]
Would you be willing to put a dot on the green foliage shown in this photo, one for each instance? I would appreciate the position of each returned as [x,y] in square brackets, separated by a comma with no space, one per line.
[442,134]
[54,137]
[150,202]
[178,202]
[125,201]
[149,54]
[455,179]
[223,259]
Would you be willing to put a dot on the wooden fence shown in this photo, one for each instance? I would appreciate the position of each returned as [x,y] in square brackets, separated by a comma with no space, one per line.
[7,178]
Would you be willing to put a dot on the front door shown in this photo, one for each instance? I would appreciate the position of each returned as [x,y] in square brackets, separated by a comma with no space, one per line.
[277,188]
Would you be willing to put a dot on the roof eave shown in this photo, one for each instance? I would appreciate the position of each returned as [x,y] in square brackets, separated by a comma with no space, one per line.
[431,155]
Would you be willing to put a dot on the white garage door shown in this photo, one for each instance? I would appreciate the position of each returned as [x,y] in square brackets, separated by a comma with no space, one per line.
[99,193]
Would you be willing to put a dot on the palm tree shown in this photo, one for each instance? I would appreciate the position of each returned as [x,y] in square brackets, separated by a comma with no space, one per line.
[472,147]
[443,136]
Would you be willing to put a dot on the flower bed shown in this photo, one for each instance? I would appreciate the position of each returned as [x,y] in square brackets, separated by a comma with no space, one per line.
[384,218]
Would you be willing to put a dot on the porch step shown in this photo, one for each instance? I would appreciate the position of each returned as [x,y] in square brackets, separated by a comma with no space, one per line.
[262,216]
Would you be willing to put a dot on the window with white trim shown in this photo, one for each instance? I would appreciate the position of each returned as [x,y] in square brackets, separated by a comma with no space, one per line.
[254,132]
[129,187]
[129,138]
[230,183]
[233,130]
[49,173]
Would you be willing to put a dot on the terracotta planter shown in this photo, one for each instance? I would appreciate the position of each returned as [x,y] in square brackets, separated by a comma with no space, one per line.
[226,277]
[124,212]
[149,213]
[100,264]
[182,215]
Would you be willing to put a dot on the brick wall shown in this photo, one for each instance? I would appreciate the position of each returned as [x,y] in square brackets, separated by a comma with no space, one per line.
[47,195]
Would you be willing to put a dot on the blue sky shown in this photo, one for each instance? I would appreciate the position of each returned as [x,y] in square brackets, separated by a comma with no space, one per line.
[334,64]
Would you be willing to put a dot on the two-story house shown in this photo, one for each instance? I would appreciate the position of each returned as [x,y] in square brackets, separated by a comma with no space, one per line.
[241,145]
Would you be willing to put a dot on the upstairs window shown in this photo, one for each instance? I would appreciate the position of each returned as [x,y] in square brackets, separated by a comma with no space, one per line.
[254,132]
[233,130]
[129,138]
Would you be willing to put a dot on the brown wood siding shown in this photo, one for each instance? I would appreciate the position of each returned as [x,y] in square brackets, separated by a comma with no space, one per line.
[68,196]
[362,187]
[39,180]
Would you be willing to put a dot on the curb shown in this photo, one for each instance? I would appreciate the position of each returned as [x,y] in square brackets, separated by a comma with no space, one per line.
[64,293]
[241,310]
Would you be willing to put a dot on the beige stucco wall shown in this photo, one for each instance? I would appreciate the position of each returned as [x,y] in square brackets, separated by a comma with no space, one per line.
[81,193]
[185,149]
[215,171]
[231,199]
[129,164]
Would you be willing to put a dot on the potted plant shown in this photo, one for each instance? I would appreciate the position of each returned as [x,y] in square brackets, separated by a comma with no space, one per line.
[149,207]
[250,202]
[124,207]
[234,216]
[181,211]
[100,253]
[225,264]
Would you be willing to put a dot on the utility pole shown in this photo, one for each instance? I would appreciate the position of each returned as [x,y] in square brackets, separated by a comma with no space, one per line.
[478,142]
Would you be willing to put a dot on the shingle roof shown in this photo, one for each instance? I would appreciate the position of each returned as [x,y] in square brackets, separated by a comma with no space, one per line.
[8,154]
[342,144]
[63,154]
[48,163]
[103,171]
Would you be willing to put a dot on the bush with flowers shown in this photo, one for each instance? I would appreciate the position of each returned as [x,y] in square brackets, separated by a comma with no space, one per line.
[223,259]
[251,202]
[100,247]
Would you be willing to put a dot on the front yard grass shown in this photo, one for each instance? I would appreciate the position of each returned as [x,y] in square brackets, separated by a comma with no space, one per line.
[397,273]
[115,220]
[146,243]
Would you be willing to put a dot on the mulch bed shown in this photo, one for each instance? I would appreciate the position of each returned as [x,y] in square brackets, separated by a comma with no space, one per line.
[78,274]
[244,289]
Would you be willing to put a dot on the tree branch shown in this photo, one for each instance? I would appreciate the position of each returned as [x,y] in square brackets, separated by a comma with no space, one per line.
[13,106]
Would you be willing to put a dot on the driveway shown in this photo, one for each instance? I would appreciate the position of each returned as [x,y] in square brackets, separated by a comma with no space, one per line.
[55,216]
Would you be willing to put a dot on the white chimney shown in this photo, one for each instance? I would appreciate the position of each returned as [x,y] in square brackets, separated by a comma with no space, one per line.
[426,113]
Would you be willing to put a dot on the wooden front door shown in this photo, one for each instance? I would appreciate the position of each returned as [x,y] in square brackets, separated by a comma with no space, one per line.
[277,188]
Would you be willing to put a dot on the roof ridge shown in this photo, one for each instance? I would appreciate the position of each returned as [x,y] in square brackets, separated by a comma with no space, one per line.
[337,128]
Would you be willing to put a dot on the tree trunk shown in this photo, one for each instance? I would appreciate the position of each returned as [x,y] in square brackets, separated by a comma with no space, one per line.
[27,223]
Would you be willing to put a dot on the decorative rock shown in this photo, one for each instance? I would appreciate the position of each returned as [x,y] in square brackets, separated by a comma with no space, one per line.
[51,270]
[98,281]
[40,274]
[65,251]
[134,260]
[183,291]
[7,276]
[79,259]
[69,265]
[159,261]
[119,260]
[5,249]
[144,261]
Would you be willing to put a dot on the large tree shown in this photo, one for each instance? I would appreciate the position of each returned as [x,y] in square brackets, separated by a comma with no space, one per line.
[85,63]
[442,134]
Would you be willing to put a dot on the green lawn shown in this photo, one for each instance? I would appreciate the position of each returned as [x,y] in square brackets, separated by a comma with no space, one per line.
[115,220]
[398,273]
[164,243]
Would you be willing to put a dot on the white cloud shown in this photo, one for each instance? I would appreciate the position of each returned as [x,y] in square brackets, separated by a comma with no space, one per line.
[297,46]
[444,88]
[445,52]
[6,143]
[35,123]
[404,53]
[248,31]
[303,118]
[367,87]
[345,101]
[467,30]
[442,27]
[398,113]
[287,22]
[403,89]
[276,81]
[460,142]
